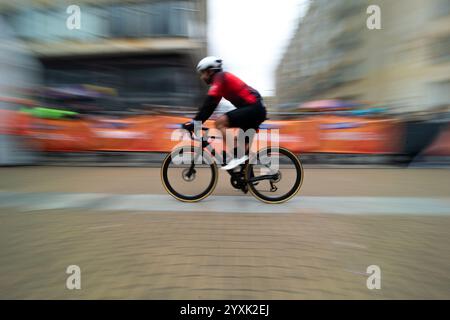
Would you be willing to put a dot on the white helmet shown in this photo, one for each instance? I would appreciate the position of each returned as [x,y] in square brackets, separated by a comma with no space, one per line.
[209,63]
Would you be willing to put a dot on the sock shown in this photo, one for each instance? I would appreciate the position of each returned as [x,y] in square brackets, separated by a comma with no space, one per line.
[224,157]
[236,155]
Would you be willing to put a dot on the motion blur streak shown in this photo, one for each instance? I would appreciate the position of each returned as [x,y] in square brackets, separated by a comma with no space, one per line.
[88,103]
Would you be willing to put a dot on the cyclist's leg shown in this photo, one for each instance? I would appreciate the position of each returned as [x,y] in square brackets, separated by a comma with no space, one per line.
[222,124]
[248,119]
[245,118]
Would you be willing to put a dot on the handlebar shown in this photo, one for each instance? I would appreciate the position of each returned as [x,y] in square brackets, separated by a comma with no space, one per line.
[191,132]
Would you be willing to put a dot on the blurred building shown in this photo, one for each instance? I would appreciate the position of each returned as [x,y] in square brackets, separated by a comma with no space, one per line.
[20,73]
[144,51]
[405,65]
[270,103]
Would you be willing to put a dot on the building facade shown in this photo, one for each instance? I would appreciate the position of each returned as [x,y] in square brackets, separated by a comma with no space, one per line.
[144,51]
[404,65]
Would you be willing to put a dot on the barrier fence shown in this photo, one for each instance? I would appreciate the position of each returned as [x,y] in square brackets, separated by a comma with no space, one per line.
[152,133]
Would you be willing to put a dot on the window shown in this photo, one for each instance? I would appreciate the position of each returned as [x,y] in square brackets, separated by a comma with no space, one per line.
[149,81]
[180,16]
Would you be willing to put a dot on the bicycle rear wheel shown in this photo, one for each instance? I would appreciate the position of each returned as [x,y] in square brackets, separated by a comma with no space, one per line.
[275,175]
[185,181]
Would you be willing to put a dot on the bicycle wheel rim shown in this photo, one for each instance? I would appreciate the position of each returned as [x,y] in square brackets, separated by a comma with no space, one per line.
[296,185]
[168,185]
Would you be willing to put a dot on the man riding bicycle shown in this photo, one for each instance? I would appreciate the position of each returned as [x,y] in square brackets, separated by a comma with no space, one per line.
[250,111]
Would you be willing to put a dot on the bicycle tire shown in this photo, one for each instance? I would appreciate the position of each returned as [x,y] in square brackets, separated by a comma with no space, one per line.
[288,195]
[180,196]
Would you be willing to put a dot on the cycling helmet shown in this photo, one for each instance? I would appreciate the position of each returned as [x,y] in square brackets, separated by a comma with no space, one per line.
[213,63]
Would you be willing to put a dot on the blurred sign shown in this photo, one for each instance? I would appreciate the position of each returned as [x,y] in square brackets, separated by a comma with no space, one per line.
[327,134]
[356,135]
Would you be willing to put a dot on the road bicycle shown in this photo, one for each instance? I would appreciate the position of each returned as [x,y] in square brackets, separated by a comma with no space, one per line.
[189,173]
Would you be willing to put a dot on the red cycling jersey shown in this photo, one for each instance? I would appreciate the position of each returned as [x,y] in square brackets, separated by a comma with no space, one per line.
[233,89]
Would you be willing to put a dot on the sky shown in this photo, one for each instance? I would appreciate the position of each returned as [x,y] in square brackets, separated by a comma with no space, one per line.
[251,35]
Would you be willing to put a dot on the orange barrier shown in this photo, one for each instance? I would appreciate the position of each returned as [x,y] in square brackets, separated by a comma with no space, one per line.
[359,135]
[162,133]
[13,122]
[129,134]
[298,135]
[60,135]
[138,134]
[327,134]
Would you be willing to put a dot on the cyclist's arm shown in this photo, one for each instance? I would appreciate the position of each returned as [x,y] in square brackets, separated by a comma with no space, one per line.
[208,108]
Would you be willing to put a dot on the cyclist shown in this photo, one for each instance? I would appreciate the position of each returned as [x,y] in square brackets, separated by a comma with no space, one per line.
[250,111]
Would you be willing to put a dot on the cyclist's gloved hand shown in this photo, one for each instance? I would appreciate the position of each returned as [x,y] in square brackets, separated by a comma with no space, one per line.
[189,126]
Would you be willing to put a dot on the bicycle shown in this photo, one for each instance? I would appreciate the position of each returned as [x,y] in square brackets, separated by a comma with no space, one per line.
[256,175]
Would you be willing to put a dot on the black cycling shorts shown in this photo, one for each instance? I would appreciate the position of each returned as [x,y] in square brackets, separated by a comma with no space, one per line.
[247,117]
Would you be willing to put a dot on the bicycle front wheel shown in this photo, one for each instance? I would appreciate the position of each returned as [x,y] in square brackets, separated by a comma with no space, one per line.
[189,174]
[275,175]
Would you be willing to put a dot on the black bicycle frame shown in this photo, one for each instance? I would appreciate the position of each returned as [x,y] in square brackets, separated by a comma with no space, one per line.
[206,143]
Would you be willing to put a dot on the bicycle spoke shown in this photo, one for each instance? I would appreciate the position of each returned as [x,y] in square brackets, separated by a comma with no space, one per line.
[191,179]
[277,181]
